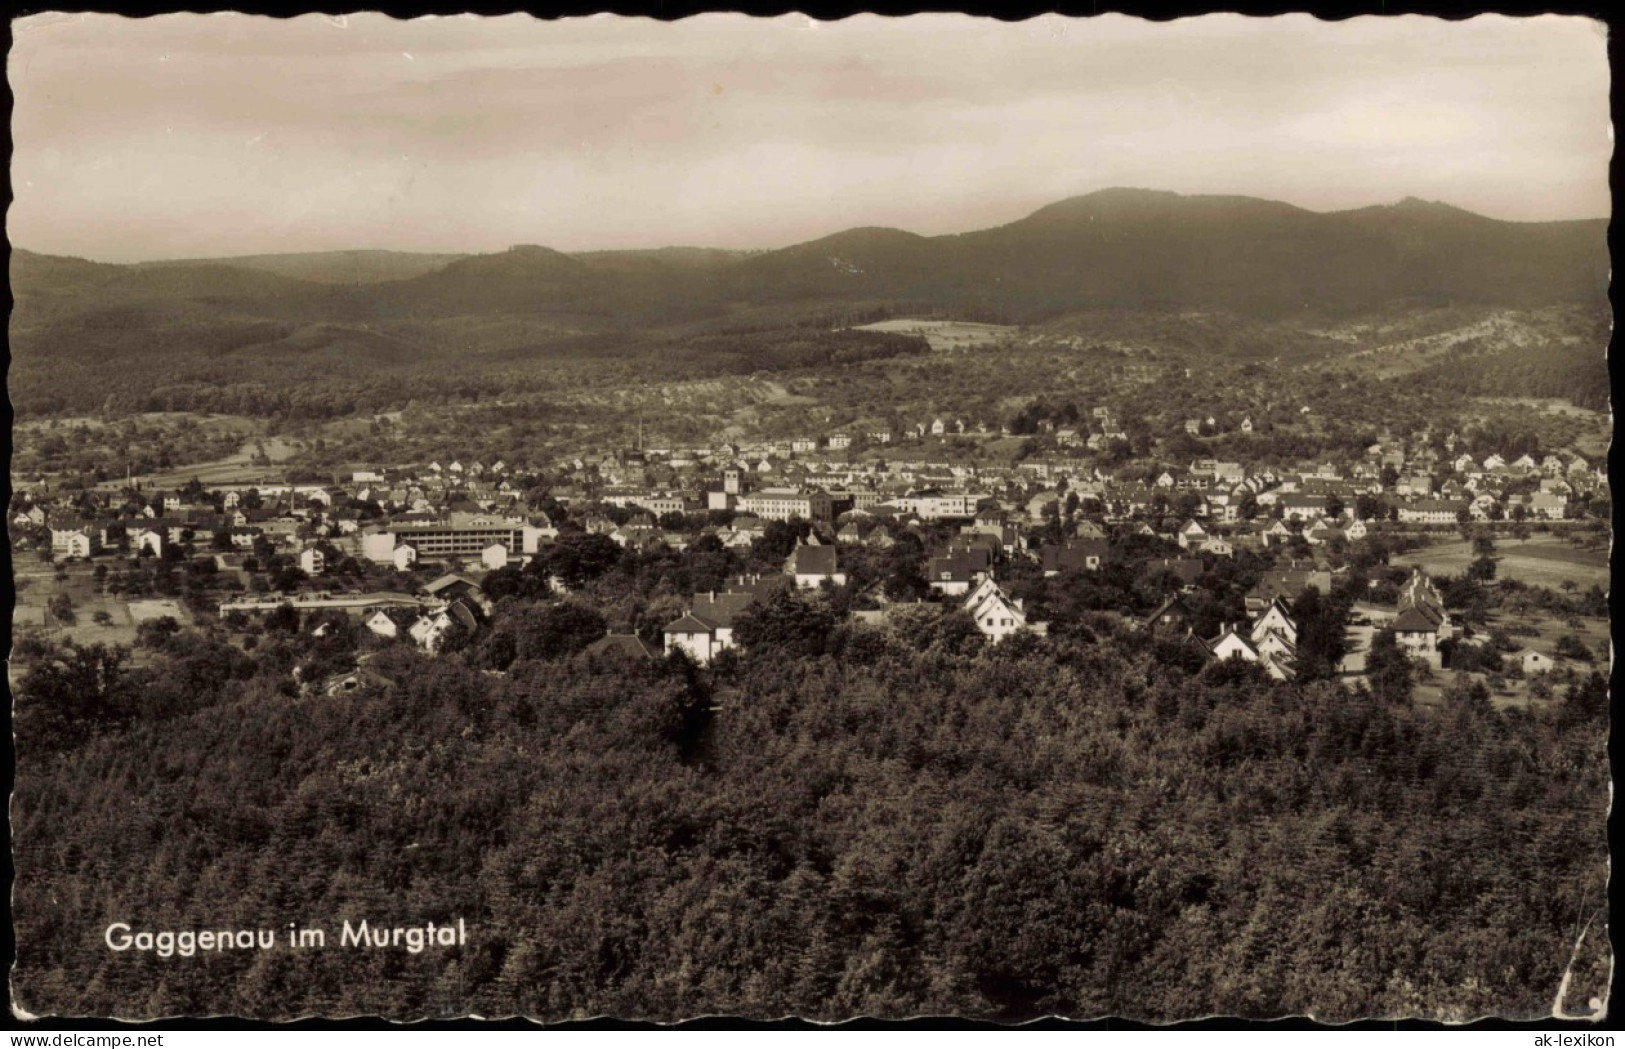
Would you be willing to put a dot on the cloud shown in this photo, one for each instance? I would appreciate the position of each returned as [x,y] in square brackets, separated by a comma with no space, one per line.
[224,134]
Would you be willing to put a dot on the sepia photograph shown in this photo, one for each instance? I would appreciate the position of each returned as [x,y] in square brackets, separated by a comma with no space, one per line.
[810,520]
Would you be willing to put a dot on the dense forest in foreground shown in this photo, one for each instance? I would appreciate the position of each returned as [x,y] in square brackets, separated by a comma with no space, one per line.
[836,822]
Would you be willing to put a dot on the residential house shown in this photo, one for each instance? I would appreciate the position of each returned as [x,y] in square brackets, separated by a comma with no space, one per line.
[1270,654]
[622,645]
[996,614]
[1302,506]
[430,631]
[1186,570]
[1533,662]
[1172,616]
[1076,555]
[707,629]
[75,538]
[1549,505]
[151,540]
[812,564]
[1285,583]
[1275,532]
[1275,620]
[452,587]
[1421,621]
[312,560]
[955,573]
[383,623]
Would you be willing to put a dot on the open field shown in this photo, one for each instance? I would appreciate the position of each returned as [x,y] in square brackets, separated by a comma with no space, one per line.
[37,584]
[142,611]
[1541,561]
[945,335]
[1546,629]
[233,469]
[1538,631]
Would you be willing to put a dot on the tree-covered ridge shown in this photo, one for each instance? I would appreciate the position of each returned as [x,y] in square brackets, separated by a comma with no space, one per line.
[512,320]
[1576,373]
[888,823]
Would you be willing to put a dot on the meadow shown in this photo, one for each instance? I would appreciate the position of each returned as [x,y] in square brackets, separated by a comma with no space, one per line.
[1540,561]
[945,335]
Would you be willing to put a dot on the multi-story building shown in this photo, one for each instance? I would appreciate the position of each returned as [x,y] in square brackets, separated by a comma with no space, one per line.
[781,504]
[436,541]
[931,504]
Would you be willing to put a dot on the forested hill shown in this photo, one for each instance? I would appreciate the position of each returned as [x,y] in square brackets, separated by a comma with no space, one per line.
[868,826]
[334,267]
[202,321]
[1140,248]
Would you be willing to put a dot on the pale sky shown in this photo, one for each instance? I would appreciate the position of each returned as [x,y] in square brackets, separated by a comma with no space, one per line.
[213,135]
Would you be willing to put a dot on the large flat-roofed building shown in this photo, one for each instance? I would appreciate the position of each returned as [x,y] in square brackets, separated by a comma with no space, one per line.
[781,504]
[354,604]
[662,503]
[934,504]
[435,541]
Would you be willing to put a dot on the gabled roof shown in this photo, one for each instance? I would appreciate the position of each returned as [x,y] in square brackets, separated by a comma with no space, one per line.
[958,567]
[1076,554]
[1247,644]
[449,580]
[1276,604]
[689,624]
[997,601]
[720,610]
[626,644]
[1185,569]
[812,560]
[1172,605]
[1412,620]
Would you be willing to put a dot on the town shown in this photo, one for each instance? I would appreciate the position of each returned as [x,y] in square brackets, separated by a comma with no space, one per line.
[664,549]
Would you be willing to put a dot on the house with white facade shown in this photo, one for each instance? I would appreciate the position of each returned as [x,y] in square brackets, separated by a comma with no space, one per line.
[997,615]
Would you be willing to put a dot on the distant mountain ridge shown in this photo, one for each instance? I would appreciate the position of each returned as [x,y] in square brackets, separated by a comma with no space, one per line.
[332,267]
[1112,248]
[1117,249]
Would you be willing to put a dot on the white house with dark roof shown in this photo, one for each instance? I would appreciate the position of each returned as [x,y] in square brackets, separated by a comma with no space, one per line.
[997,615]
[1421,621]
[1191,534]
[812,564]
